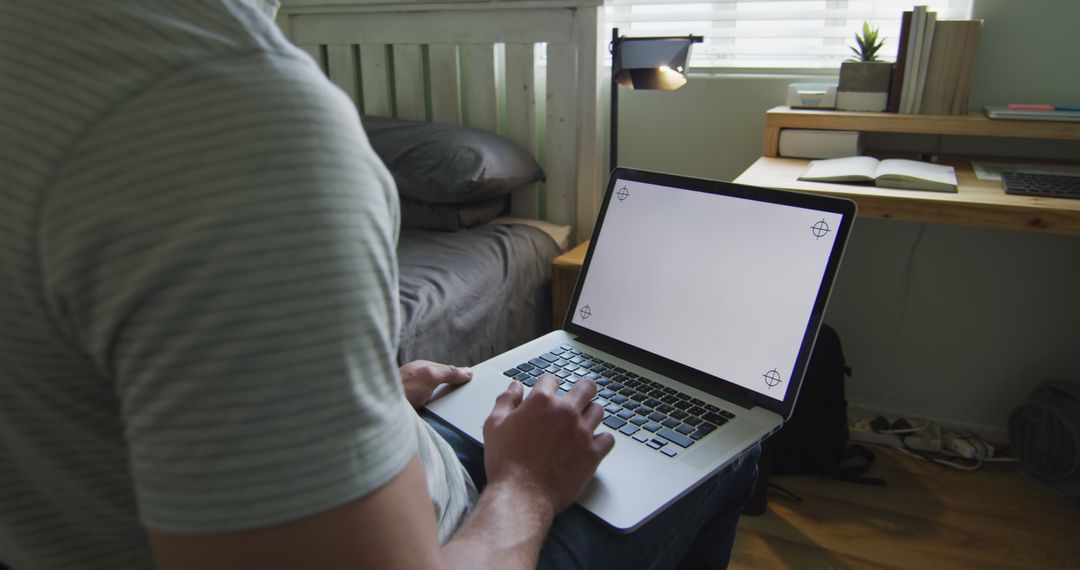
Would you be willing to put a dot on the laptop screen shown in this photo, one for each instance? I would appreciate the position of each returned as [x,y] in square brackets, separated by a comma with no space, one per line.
[722,284]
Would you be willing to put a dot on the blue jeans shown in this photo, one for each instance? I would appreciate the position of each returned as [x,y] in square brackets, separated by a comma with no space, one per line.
[697,531]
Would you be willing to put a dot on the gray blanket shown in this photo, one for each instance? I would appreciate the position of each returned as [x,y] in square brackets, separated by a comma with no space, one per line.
[467,296]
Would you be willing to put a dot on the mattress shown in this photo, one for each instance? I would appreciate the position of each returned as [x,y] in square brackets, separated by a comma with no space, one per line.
[467,296]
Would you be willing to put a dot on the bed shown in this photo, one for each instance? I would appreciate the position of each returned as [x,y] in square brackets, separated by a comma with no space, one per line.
[473,284]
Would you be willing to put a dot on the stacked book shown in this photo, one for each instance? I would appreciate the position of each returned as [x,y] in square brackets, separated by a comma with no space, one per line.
[935,65]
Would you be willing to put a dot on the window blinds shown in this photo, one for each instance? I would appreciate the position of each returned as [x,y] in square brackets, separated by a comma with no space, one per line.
[770,33]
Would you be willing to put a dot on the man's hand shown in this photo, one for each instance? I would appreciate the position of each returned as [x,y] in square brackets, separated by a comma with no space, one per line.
[421,377]
[546,442]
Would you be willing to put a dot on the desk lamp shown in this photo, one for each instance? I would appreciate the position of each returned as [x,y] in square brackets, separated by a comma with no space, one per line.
[645,63]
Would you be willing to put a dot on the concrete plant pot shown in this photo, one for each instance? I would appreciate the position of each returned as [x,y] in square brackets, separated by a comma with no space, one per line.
[864,86]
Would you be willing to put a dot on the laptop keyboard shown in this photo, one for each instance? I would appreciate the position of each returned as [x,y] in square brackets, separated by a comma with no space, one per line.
[651,414]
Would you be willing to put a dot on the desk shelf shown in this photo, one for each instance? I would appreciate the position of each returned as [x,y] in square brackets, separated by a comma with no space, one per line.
[780,118]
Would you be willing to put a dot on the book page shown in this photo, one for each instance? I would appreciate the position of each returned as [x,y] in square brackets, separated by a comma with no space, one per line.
[851,168]
[898,168]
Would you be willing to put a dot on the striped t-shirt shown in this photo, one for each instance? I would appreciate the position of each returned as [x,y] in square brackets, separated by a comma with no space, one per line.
[198,285]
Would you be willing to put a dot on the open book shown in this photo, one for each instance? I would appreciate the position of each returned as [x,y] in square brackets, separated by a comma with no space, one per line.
[888,173]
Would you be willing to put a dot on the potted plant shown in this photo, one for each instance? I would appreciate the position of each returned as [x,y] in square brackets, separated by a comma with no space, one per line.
[864,79]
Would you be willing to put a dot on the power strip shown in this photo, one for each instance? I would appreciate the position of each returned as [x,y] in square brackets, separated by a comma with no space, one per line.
[924,440]
[913,441]
[967,447]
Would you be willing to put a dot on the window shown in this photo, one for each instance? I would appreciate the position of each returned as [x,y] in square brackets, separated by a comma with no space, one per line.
[770,33]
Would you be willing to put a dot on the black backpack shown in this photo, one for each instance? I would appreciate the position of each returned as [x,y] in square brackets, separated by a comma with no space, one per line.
[815,439]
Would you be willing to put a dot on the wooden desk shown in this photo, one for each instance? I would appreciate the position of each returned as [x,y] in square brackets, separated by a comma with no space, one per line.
[976,203]
[564,274]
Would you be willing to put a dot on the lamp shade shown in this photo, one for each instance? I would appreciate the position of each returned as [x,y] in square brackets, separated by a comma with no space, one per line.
[652,63]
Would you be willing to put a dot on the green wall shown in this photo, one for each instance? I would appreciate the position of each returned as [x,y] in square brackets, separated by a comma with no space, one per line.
[950,322]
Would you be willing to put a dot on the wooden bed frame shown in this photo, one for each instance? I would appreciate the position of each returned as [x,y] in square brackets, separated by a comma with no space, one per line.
[528,70]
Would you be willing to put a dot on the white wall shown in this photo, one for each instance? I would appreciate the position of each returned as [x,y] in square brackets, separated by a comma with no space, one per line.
[950,322]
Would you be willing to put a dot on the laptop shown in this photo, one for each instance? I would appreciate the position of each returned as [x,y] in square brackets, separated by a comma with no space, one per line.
[695,312]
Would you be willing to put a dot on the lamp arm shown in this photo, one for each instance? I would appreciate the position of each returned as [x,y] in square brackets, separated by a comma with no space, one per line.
[613,122]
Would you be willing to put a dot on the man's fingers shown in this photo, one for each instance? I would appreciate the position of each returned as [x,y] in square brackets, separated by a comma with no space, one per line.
[456,375]
[547,384]
[507,401]
[582,393]
[604,441]
[594,414]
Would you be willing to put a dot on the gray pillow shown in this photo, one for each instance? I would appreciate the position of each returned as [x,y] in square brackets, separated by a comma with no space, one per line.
[450,217]
[442,163]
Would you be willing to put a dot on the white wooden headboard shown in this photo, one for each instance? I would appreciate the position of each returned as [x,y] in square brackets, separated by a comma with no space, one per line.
[525,69]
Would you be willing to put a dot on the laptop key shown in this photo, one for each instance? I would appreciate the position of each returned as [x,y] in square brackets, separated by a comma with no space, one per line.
[521,377]
[639,436]
[614,422]
[530,382]
[562,374]
[549,357]
[644,410]
[727,414]
[668,451]
[651,426]
[714,418]
[685,429]
[639,420]
[682,405]
[699,434]
[539,363]
[618,398]
[711,408]
[612,408]
[692,420]
[706,427]
[657,417]
[678,414]
[675,437]
[631,404]
[629,429]
[696,410]
[625,414]
[696,402]
[664,408]
[606,394]
[536,372]
[655,443]
[670,423]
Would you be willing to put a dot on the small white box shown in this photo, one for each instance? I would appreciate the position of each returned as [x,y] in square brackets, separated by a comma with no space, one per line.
[814,144]
[811,96]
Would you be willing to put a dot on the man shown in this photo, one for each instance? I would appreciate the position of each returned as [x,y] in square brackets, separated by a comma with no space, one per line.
[198,297]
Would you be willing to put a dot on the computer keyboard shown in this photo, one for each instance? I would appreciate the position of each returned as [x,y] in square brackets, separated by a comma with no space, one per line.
[654,415]
[1036,184]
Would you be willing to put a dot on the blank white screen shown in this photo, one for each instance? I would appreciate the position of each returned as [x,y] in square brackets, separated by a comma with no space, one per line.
[721,284]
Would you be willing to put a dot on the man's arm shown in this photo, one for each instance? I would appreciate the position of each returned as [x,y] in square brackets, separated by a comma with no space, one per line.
[533,474]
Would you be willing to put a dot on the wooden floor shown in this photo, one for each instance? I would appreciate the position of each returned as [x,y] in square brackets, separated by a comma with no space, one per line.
[929,517]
